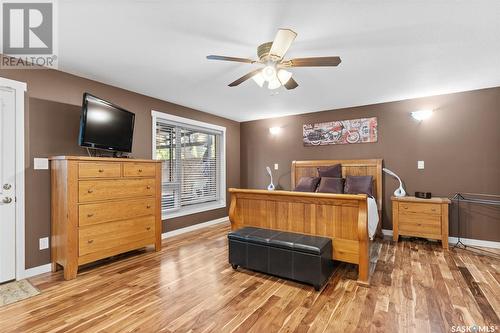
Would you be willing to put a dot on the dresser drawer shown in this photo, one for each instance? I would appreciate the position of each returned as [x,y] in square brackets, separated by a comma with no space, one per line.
[99,170]
[119,236]
[139,169]
[112,211]
[424,208]
[95,190]
[420,225]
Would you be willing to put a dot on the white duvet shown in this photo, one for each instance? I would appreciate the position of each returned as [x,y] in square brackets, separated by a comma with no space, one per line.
[372,217]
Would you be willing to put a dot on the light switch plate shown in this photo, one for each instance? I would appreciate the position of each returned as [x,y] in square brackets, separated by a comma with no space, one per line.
[40,163]
[43,243]
[420,165]
[275,166]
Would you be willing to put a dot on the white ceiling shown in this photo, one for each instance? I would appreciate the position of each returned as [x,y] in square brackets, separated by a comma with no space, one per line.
[390,50]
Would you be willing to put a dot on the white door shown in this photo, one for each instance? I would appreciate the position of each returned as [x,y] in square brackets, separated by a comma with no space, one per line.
[7,184]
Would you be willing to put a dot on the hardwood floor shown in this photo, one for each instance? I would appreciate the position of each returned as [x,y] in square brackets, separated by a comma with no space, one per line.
[189,286]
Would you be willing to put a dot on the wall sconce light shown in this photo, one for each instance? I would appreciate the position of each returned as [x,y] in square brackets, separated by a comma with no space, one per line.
[274,130]
[421,114]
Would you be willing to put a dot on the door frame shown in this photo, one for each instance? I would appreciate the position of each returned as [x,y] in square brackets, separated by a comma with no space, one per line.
[20,88]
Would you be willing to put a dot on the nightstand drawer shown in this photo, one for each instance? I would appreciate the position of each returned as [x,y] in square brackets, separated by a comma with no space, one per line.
[418,231]
[424,208]
[419,219]
[417,224]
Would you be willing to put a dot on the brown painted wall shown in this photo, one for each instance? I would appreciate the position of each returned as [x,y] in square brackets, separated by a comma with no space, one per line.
[460,145]
[52,118]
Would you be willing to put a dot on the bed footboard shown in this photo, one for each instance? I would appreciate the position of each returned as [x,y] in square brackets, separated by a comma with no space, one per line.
[341,217]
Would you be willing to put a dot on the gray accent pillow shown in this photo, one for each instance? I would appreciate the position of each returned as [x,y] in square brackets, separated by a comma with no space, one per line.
[359,185]
[331,185]
[307,184]
[332,171]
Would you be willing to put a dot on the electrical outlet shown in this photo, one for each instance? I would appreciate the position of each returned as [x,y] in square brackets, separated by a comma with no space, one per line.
[43,243]
[420,165]
[40,163]
[275,166]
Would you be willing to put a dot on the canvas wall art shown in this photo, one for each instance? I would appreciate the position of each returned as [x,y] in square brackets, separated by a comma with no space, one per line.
[340,132]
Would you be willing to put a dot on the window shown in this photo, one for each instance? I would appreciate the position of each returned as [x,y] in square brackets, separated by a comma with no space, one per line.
[194,168]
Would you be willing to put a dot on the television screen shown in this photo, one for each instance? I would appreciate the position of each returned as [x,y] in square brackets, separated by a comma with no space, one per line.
[105,126]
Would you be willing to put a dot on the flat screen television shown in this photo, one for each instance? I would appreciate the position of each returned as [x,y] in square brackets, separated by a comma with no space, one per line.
[106,126]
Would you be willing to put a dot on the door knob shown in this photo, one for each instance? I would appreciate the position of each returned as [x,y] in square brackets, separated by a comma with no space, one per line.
[7,186]
[7,200]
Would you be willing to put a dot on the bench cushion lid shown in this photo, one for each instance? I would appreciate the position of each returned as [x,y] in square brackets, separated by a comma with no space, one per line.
[287,240]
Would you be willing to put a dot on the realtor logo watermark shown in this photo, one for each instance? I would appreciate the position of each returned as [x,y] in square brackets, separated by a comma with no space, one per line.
[474,329]
[28,35]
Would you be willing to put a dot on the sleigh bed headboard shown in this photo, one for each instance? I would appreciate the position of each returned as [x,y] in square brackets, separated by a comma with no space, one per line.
[372,167]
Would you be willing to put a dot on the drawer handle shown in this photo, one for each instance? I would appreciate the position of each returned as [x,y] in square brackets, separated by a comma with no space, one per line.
[90,241]
[148,228]
[148,187]
[90,190]
[140,170]
[148,206]
[433,209]
[101,170]
[90,215]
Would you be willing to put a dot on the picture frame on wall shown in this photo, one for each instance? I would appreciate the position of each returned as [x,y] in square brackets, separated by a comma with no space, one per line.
[339,132]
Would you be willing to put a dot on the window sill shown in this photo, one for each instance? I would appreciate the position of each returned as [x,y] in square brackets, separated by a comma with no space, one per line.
[193,210]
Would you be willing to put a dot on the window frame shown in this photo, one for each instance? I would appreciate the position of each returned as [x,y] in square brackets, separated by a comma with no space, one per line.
[202,207]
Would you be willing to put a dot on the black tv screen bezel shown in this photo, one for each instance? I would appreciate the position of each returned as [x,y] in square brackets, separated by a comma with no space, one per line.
[83,123]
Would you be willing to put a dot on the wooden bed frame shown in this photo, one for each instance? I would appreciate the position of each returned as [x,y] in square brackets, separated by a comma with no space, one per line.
[341,217]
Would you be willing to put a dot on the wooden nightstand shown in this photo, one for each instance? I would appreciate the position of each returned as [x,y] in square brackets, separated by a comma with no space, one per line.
[416,217]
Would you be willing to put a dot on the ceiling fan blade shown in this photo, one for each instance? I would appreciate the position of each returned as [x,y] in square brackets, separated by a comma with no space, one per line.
[224,58]
[282,42]
[315,61]
[244,78]
[291,84]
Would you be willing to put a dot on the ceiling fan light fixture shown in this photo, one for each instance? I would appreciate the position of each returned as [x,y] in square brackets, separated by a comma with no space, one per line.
[272,56]
[269,73]
[259,79]
[274,84]
[284,76]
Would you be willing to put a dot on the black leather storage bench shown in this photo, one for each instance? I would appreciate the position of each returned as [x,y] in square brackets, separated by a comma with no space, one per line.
[303,258]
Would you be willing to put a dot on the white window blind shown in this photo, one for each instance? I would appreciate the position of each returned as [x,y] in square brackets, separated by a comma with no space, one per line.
[193,177]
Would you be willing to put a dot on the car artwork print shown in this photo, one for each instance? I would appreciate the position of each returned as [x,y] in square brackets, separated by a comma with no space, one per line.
[362,130]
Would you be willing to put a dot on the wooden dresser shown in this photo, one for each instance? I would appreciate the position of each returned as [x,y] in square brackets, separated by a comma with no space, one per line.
[102,207]
[416,217]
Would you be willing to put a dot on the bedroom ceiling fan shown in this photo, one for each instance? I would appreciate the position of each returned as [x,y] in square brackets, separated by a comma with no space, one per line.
[271,55]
